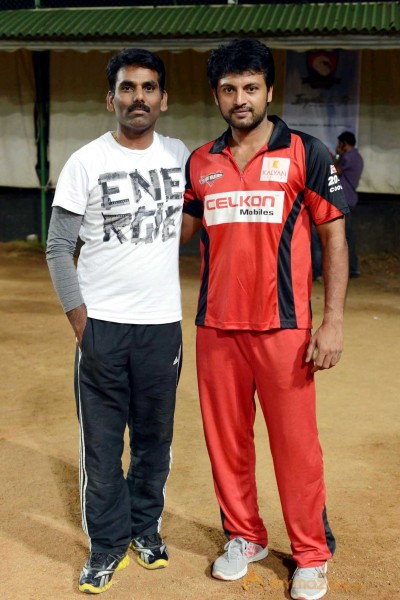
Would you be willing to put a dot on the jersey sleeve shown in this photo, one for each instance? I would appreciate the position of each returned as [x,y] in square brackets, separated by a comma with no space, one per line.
[72,190]
[323,190]
[193,205]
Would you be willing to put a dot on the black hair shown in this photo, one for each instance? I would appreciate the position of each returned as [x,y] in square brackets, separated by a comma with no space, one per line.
[239,56]
[348,138]
[136,57]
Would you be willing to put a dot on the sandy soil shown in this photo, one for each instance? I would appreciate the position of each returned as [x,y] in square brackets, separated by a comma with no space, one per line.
[42,545]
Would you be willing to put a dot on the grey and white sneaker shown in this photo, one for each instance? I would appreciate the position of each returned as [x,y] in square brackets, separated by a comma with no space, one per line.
[309,583]
[239,553]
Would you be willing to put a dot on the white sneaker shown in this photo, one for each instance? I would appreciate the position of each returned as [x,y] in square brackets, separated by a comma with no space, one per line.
[309,583]
[239,553]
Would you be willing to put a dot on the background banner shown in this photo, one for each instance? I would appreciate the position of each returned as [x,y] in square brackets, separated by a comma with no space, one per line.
[321,95]
[78,111]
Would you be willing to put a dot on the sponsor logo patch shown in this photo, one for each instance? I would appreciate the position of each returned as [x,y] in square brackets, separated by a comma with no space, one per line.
[333,169]
[252,206]
[211,177]
[275,169]
[334,183]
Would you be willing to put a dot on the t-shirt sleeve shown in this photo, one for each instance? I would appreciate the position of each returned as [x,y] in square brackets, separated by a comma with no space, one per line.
[323,190]
[186,155]
[72,187]
[193,205]
[61,244]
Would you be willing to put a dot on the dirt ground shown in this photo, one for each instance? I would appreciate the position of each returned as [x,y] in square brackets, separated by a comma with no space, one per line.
[42,545]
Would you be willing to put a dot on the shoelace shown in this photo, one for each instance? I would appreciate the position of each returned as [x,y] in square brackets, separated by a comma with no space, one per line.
[310,572]
[150,541]
[97,558]
[236,547]
[153,539]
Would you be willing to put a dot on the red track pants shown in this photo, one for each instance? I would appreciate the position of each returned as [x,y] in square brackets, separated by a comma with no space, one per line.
[231,366]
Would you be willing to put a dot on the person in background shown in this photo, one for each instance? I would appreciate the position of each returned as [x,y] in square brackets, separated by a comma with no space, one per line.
[349,165]
[123,194]
[253,192]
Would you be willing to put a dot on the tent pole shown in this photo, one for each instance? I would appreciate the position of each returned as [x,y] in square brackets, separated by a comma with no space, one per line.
[42,154]
[43,182]
[41,69]
[42,158]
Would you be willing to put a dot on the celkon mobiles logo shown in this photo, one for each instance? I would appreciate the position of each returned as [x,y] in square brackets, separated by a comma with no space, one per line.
[253,206]
[275,169]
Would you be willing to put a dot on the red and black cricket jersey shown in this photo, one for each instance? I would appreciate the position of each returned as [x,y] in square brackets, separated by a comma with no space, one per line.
[255,239]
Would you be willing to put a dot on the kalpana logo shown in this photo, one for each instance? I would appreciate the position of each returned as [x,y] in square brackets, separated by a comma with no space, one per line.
[275,169]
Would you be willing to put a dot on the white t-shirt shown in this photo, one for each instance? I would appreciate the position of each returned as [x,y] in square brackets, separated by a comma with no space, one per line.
[128,268]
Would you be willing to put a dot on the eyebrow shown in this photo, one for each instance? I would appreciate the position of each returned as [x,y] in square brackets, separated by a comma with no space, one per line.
[234,85]
[129,82]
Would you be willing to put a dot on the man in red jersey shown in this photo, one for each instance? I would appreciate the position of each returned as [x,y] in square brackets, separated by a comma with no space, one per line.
[254,192]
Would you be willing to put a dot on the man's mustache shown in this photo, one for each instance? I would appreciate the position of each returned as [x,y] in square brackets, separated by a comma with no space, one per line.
[138,106]
[240,109]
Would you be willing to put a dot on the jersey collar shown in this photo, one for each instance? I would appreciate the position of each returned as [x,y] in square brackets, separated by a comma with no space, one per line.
[280,137]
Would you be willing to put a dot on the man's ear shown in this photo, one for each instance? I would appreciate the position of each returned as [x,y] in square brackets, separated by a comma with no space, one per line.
[164,101]
[215,97]
[270,91]
[110,101]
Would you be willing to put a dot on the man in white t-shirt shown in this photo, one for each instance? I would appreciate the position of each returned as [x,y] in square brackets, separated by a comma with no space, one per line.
[122,194]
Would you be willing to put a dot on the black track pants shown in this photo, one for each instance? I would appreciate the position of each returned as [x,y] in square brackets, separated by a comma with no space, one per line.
[125,375]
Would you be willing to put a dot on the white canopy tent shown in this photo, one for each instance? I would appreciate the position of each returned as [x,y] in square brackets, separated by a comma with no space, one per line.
[77,110]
